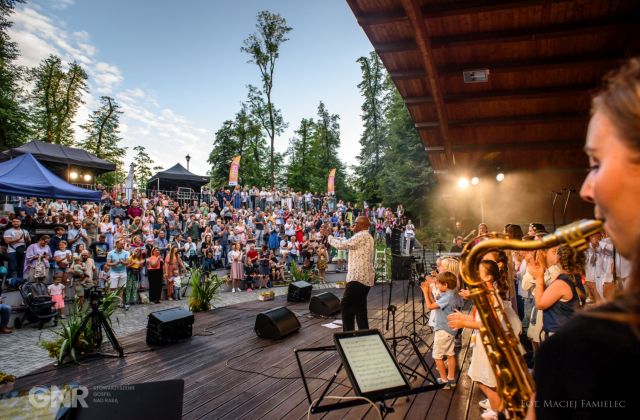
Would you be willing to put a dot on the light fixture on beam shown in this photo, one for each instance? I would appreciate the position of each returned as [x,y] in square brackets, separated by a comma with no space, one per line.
[476,76]
[475,180]
[87,177]
[500,175]
[73,175]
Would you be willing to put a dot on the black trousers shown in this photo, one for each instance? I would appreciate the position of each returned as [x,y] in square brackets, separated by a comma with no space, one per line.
[354,305]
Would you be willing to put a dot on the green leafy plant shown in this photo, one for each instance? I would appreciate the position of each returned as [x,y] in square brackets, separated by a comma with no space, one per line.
[204,290]
[6,378]
[70,328]
[299,274]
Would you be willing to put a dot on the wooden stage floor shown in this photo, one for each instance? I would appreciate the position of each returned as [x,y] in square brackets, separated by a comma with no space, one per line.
[231,373]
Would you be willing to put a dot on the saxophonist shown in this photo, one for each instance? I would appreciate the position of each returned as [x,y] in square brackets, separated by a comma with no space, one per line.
[581,372]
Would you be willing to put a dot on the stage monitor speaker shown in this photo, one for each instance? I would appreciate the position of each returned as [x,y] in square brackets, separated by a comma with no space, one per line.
[401,267]
[169,326]
[299,291]
[276,323]
[324,304]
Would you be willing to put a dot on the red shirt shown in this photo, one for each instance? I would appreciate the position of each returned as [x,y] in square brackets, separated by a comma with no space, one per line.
[134,212]
[252,254]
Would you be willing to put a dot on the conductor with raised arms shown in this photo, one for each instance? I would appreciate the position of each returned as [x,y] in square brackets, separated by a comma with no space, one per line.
[360,274]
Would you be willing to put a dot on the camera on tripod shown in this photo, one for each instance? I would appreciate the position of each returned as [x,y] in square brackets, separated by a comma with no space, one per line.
[94,295]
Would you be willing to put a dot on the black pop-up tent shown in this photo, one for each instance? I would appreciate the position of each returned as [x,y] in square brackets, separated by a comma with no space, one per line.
[26,177]
[176,177]
[62,159]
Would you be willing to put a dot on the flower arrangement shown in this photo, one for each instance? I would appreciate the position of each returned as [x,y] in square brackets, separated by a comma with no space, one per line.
[268,295]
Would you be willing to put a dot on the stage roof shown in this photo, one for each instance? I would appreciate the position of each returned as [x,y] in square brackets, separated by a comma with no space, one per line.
[544,60]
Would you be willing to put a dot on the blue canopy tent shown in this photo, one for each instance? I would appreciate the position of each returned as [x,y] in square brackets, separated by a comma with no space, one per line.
[26,177]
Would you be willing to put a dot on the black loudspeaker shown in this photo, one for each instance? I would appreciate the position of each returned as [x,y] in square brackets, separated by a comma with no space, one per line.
[324,304]
[396,241]
[401,267]
[276,323]
[169,326]
[299,291]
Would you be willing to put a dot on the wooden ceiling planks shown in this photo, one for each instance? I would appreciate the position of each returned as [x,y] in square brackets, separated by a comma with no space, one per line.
[545,58]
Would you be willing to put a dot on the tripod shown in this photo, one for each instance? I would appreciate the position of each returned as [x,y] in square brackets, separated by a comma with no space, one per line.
[411,288]
[98,323]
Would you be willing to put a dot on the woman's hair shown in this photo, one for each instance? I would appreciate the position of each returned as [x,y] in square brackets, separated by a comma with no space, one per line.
[620,102]
[499,278]
[571,261]
[514,231]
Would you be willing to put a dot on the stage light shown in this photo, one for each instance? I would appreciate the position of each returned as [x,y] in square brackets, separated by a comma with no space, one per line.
[87,177]
[500,177]
[463,182]
[475,180]
[73,175]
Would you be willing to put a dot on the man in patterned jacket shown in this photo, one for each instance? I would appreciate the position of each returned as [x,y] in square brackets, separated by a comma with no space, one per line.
[360,275]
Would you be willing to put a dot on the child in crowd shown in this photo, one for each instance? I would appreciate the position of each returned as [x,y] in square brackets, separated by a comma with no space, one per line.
[208,261]
[443,340]
[81,281]
[341,258]
[103,277]
[217,254]
[176,280]
[56,291]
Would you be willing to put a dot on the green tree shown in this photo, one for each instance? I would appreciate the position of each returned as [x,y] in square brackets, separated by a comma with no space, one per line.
[407,177]
[55,99]
[373,141]
[324,152]
[103,135]
[142,168]
[264,49]
[14,129]
[241,136]
[299,154]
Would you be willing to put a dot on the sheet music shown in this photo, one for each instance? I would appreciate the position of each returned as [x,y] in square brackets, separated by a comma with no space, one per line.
[371,363]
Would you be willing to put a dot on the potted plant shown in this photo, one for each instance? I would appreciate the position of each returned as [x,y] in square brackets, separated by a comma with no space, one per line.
[203,291]
[268,295]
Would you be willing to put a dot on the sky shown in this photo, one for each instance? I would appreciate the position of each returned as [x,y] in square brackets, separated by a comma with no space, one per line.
[177,71]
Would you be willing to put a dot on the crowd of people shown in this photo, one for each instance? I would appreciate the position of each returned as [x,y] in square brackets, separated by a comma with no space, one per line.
[155,241]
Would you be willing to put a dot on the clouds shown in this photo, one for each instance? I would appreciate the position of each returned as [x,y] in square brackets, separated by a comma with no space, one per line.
[166,135]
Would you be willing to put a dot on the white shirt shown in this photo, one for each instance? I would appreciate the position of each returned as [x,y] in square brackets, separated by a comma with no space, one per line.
[360,248]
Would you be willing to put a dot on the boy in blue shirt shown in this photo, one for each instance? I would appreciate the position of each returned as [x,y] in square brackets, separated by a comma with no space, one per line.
[444,337]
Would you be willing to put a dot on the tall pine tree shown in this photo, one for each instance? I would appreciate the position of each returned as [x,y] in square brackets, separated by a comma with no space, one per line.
[264,49]
[103,137]
[300,158]
[55,99]
[373,141]
[14,129]
[142,167]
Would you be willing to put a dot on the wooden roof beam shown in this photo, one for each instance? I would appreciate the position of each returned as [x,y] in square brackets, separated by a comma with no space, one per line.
[511,145]
[468,7]
[508,120]
[417,20]
[396,46]
[610,57]
[531,34]
[517,66]
[380,18]
[544,92]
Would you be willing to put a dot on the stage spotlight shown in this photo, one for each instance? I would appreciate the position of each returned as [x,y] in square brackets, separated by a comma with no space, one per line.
[463,182]
[475,180]
[500,177]
[73,175]
[87,177]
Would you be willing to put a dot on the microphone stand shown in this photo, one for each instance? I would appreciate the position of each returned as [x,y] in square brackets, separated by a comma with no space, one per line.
[553,207]
[566,203]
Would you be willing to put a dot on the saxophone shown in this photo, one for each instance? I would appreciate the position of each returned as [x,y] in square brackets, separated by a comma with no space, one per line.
[514,382]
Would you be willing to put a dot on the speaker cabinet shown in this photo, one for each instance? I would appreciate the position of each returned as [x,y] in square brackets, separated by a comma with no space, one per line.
[396,241]
[276,323]
[400,267]
[299,291]
[169,326]
[324,304]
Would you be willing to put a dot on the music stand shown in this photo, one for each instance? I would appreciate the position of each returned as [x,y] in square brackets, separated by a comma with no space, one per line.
[356,350]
